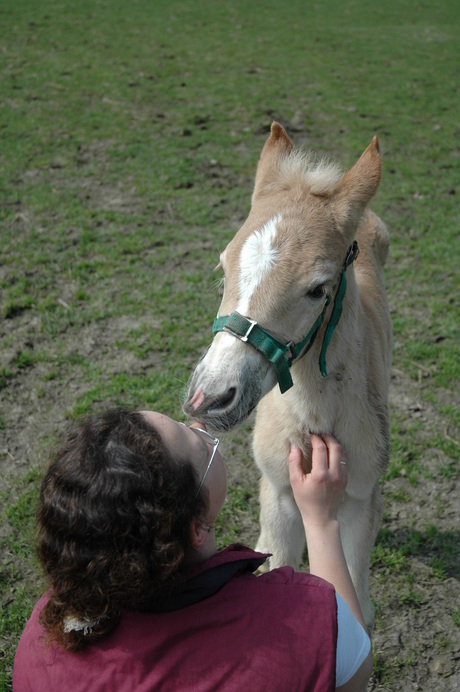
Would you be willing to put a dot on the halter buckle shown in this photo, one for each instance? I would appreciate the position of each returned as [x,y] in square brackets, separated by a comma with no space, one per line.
[242,337]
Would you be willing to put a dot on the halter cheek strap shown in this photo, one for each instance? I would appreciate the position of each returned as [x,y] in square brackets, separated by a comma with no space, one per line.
[282,355]
[352,254]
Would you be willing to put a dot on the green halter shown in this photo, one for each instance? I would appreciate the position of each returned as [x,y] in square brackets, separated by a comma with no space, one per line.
[283,355]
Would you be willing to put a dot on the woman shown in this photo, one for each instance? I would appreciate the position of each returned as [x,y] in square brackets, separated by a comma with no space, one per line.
[141,599]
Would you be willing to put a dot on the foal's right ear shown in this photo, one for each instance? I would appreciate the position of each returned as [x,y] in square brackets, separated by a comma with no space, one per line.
[277,146]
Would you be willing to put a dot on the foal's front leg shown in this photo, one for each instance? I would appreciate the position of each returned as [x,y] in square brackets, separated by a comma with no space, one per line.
[360,520]
[282,532]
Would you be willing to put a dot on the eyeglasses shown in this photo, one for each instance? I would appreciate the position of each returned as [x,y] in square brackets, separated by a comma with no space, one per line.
[210,440]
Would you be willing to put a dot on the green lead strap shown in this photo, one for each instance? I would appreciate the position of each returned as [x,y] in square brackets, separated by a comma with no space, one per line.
[333,321]
[337,307]
[336,313]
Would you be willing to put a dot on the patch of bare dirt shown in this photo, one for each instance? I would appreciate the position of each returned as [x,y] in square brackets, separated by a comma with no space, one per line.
[416,639]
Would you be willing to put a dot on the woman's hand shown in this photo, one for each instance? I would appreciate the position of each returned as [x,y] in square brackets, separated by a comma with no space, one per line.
[318,494]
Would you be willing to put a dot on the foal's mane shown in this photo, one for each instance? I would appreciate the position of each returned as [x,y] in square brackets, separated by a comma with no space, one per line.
[318,174]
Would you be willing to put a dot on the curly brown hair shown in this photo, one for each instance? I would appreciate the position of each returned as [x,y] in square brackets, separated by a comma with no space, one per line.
[114,522]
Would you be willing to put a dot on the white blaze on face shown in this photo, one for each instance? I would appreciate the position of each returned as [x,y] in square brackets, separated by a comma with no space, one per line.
[257,257]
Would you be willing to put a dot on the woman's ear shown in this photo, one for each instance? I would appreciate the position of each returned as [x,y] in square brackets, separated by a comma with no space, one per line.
[198,533]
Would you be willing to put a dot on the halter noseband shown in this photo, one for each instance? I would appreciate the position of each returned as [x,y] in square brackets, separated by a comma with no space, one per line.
[282,355]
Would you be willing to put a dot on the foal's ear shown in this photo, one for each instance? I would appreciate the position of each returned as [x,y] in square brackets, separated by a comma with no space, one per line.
[357,187]
[276,146]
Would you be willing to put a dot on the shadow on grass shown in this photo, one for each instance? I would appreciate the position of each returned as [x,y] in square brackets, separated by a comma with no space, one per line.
[438,549]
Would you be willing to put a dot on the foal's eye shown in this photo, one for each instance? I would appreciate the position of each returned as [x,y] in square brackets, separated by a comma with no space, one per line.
[317,292]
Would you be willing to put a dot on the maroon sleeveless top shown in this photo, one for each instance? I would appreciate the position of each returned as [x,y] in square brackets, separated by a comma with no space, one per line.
[223,629]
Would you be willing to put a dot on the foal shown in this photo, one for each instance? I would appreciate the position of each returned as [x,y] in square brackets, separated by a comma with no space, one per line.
[303,310]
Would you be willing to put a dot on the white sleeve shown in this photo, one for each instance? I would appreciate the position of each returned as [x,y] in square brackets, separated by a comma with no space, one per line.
[353,643]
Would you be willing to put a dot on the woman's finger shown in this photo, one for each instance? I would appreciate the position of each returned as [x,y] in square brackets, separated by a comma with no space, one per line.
[336,454]
[319,457]
[295,462]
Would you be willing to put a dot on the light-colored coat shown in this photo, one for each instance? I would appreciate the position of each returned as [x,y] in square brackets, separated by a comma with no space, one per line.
[279,269]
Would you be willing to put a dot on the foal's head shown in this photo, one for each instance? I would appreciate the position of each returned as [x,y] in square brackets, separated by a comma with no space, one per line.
[280,269]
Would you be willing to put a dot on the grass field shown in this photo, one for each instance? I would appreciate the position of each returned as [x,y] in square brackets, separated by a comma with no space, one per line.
[129,138]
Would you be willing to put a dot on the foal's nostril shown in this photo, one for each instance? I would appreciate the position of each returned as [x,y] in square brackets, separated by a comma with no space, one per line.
[224,402]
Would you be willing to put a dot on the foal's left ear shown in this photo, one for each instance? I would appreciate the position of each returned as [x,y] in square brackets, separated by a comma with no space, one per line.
[277,146]
[358,186]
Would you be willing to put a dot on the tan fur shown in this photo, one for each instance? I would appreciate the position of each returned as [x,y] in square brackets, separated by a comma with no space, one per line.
[321,213]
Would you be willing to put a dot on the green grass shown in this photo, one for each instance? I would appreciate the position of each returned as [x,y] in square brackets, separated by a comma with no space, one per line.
[456,617]
[438,549]
[130,135]
[19,587]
